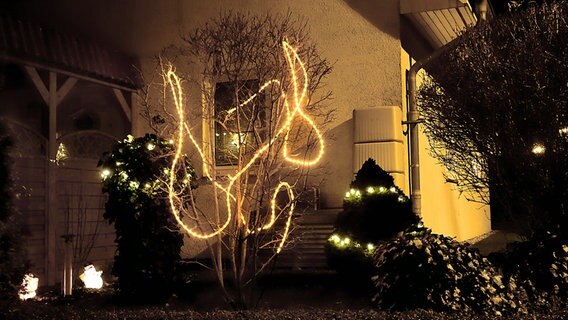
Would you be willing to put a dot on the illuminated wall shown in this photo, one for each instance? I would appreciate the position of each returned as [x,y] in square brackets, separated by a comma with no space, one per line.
[444,209]
[361,38]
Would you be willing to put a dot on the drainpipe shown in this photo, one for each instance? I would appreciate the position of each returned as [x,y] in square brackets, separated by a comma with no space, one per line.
[413,117]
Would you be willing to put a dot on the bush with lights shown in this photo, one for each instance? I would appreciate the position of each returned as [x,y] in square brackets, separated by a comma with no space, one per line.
[374,210]
[422,270]
[147,235]
[12,260]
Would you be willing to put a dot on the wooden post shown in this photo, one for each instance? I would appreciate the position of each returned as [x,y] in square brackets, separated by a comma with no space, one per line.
[52,97]
[51,218]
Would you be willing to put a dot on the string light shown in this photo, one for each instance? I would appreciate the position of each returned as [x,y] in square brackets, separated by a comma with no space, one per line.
[346,242]
[294,112]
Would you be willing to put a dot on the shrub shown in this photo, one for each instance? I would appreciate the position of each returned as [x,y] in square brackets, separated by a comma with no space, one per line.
[541,265]
[12,260]
[147,235]
[420,269]
[374,210]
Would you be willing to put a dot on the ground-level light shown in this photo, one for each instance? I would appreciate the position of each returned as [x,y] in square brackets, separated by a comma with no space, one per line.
[91,277]
[29,287]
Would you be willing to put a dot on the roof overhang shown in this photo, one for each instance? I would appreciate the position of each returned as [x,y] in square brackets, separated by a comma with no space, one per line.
[438,21]
[22,41]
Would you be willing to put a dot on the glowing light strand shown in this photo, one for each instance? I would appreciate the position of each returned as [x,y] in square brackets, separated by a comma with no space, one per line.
[300,93]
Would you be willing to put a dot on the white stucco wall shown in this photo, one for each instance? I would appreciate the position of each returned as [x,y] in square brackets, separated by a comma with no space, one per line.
[361,42]
[359,37]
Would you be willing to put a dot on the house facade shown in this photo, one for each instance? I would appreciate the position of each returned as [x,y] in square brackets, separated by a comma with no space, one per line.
[371,45]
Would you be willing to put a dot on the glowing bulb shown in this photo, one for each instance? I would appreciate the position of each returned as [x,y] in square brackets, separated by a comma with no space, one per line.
[334,238]
[123,175]
[563,131]
[150,146]
[91,277]
[370,247]
[352,191]
[28,287]
[382,189]
[347,194]
[129,138]
[392,189]
[370,189]
[105,173]
[538,149]
[134,184]
[346,240]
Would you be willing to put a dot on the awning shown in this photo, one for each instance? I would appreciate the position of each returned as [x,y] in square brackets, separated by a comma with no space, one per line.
[25,42]
[439,21]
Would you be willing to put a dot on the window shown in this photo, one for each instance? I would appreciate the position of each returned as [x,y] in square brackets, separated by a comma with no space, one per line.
[235,126]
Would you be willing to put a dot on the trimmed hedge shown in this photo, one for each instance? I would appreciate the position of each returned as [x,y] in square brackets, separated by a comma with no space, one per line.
[13,262]
[541,267]
[420,269]
[374,210]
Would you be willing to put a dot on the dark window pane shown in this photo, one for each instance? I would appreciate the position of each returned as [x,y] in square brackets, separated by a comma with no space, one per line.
[227,136]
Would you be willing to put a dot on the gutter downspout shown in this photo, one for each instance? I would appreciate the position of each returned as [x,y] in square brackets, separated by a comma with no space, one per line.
[413,116]
[413,119]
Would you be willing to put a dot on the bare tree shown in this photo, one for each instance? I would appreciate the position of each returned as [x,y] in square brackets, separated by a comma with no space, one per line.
[496,113]
[264,111]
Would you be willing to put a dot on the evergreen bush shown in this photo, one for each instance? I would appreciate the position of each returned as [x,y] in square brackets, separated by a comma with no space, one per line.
[422,270]
[147,235]
[374,210]
[13,263]
[541,265]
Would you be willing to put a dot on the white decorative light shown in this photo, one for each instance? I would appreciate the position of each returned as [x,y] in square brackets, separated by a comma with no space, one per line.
[29,287]
[105,173]
[150,146]
[538,149]
[62,153]
[91,277]
[134,184]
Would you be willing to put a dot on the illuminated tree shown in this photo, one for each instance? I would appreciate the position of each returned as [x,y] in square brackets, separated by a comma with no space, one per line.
[496,113]
[374,210]
[264,114]
[147,236]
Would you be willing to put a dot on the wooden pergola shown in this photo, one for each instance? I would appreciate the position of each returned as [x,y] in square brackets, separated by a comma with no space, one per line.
[39,50]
